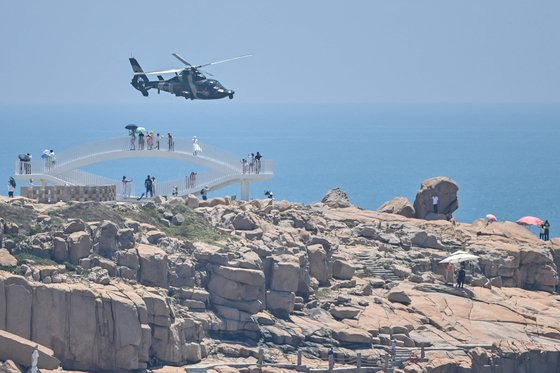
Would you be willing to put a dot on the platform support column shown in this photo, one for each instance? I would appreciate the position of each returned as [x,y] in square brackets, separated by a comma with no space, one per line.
[245,190]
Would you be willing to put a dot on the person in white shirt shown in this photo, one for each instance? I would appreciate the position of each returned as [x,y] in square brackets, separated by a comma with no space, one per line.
[435,201]
[11,190]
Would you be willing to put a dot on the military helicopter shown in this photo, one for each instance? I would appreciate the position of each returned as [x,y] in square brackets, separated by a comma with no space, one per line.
[189,82]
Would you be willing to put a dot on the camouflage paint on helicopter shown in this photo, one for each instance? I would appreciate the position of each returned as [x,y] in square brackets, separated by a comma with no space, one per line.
[188,82]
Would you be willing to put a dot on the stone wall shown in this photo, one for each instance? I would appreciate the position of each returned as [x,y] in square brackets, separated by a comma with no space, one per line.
[53,194]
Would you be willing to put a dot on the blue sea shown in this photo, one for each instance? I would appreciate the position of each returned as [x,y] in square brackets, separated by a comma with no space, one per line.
[505,157]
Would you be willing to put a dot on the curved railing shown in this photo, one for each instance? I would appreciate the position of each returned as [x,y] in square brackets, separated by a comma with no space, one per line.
[121,148]
[225,168]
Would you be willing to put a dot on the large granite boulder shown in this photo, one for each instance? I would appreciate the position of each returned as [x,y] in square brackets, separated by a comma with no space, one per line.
[19,350]
[79,246]
[153,265]
[91,328]
[399,206]
[285,276]
[446,191]
[6,259]
[318,263]
[106,239]
[336,198]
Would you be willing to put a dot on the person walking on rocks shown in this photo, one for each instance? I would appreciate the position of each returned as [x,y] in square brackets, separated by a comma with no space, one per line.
[435,202]
[546,226]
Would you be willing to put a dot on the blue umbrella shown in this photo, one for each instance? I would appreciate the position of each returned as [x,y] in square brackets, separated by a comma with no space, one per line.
[140,130]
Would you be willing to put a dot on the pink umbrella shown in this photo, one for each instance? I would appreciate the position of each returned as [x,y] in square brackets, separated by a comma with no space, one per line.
[530,220]
[491,217]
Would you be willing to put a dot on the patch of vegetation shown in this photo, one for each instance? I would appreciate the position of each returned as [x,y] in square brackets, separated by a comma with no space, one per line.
[22,258]
[194,228]
[34,229]
[88,211]
[323,293]
[22,216]
[69,267]
[17,238]
[10,269]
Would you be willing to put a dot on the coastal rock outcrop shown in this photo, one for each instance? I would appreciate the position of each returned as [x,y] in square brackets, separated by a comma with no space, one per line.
[399,206]
[446,191]
[336,198]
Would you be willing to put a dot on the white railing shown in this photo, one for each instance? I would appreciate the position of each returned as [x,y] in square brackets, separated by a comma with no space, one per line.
[182,146]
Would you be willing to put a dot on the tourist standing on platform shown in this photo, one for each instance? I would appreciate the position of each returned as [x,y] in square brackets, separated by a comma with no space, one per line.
[132,135]
[158,139]
[170,142]
[195,146]
[541,231]
[11,187]
[141,141]
[258,162]
[150,140]
[244,166]
[435,202]
[148,184]
[52,158]
[126,187]
[204,193]
[251,162]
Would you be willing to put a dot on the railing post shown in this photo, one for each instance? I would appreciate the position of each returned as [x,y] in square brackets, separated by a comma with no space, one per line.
[245,190]
[299,357]
[359,360]
[422,352]
[261,357]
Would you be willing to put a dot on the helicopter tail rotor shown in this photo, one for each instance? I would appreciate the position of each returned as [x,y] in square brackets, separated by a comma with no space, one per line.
[139,80]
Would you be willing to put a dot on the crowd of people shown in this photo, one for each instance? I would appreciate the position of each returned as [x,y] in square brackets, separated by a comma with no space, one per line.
[252,164]
[149,141]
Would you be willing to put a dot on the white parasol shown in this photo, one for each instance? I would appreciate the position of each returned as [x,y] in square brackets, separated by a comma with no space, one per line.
[459,258]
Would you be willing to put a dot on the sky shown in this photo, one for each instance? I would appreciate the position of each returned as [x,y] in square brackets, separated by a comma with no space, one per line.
[316,51]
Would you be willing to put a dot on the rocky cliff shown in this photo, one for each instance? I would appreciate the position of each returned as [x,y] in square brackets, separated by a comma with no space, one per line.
[119,287]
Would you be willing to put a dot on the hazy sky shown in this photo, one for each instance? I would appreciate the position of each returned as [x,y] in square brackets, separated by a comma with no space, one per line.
[312,51]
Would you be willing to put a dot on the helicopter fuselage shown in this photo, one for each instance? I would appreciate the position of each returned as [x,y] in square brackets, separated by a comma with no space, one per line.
[189,83]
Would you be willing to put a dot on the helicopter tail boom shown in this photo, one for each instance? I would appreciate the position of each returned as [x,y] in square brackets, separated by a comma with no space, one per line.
[140,79]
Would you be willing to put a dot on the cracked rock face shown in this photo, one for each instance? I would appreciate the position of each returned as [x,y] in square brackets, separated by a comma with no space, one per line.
[283,276]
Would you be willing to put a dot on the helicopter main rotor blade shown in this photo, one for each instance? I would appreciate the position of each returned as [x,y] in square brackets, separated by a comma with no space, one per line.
[181,59]
[222,61]
[160,72]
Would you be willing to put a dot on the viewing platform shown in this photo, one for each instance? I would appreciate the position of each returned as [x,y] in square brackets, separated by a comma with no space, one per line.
[222,167]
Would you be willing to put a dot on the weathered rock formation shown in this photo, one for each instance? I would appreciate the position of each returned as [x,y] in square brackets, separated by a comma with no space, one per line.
[398,205]
[446,191]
